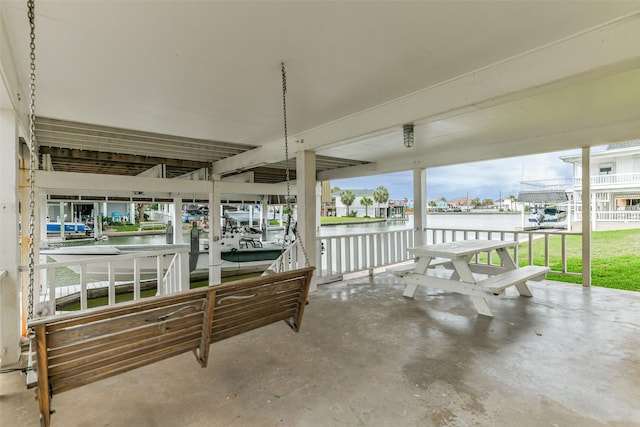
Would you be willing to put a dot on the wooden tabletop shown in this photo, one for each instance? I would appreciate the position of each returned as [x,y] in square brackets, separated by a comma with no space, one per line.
[460,248]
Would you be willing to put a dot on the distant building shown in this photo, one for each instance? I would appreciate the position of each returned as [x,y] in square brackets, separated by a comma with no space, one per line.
[438,206]
[615,186]
[389,209]
[463,204]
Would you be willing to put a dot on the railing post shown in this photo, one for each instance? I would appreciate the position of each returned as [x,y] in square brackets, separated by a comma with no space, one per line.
[136,279]
[185,276]
[112,283]
[83,287]
[160,276]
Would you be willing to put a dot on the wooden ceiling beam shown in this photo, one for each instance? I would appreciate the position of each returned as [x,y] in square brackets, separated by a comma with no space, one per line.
[100,156]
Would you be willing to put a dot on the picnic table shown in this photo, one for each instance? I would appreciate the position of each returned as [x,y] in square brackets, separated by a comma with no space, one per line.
[481,281]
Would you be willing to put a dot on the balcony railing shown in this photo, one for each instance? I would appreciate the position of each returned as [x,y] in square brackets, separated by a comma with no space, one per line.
[612,216]
[352,253]
[611,180]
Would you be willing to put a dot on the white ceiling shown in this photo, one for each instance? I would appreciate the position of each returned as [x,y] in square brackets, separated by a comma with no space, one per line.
[480,79]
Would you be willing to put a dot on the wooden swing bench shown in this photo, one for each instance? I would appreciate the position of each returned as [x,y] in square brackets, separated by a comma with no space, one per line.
[80,348]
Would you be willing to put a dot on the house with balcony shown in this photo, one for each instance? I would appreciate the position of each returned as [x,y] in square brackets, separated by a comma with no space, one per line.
[615,186]
[378,210]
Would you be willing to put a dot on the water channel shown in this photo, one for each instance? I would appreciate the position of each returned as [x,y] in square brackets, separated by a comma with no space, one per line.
[475,221]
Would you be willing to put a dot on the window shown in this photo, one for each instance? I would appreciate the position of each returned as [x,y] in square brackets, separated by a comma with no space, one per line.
[605,170]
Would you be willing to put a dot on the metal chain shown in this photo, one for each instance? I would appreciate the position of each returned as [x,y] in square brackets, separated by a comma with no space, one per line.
[286,149]
[32,155]
[286,159]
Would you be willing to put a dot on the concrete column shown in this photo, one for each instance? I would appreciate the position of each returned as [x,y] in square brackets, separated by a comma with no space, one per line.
[318,206]
[132,213]
[264,215]
[306,201]
[42,205]
[586,214]
[177,221]
[62,221]
[419,206]
[96,220]
[215,231]
[9,250]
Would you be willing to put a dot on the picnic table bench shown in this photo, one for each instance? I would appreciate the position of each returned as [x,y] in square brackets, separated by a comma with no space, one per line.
[462,280]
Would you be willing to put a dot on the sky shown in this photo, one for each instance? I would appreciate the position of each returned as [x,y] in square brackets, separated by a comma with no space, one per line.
[486,180]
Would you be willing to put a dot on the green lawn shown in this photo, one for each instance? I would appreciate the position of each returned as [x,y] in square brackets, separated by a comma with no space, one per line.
[615,258]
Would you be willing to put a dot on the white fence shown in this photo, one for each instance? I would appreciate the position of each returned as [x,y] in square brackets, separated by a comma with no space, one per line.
[336,256]
[356,252]
[168,268]
[345,254]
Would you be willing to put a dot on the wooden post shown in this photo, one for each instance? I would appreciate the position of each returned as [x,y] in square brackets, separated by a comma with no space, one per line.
[44,398]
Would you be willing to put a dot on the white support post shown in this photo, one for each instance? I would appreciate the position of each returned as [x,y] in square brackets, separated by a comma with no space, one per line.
[96,220]
[62,221]
[586,217]
[264,216]
[177,221]
[215,231]
[419,205]
[132,213]
[318,208]
[9,250]
[306,204]
[185,278]
[42,206]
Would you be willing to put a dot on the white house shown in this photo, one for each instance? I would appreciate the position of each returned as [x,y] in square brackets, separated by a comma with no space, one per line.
[373,210]
[615,186]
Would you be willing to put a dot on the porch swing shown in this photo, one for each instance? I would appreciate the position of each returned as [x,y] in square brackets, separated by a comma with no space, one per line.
[76,349]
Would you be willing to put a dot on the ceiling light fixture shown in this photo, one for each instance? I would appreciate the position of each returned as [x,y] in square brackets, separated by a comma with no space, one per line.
[407,131]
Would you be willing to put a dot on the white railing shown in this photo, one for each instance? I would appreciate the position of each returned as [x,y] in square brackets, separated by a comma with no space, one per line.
[161,217]
[357,252]
[345,254]
[291,258]
[168,268]
[614,179]
[612,216]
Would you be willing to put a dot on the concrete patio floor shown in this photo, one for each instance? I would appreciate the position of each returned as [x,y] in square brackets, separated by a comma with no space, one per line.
[366,356]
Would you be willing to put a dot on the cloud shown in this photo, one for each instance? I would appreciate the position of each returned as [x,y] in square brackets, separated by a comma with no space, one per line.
[486,180]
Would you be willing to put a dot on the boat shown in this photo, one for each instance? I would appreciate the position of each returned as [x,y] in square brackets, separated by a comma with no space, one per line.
[123,269]
[69,227]
[242,251]
[549,216]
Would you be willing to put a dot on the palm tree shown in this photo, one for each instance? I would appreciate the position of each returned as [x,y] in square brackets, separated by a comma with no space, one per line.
[347,197]
[381,195]
[366,202]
